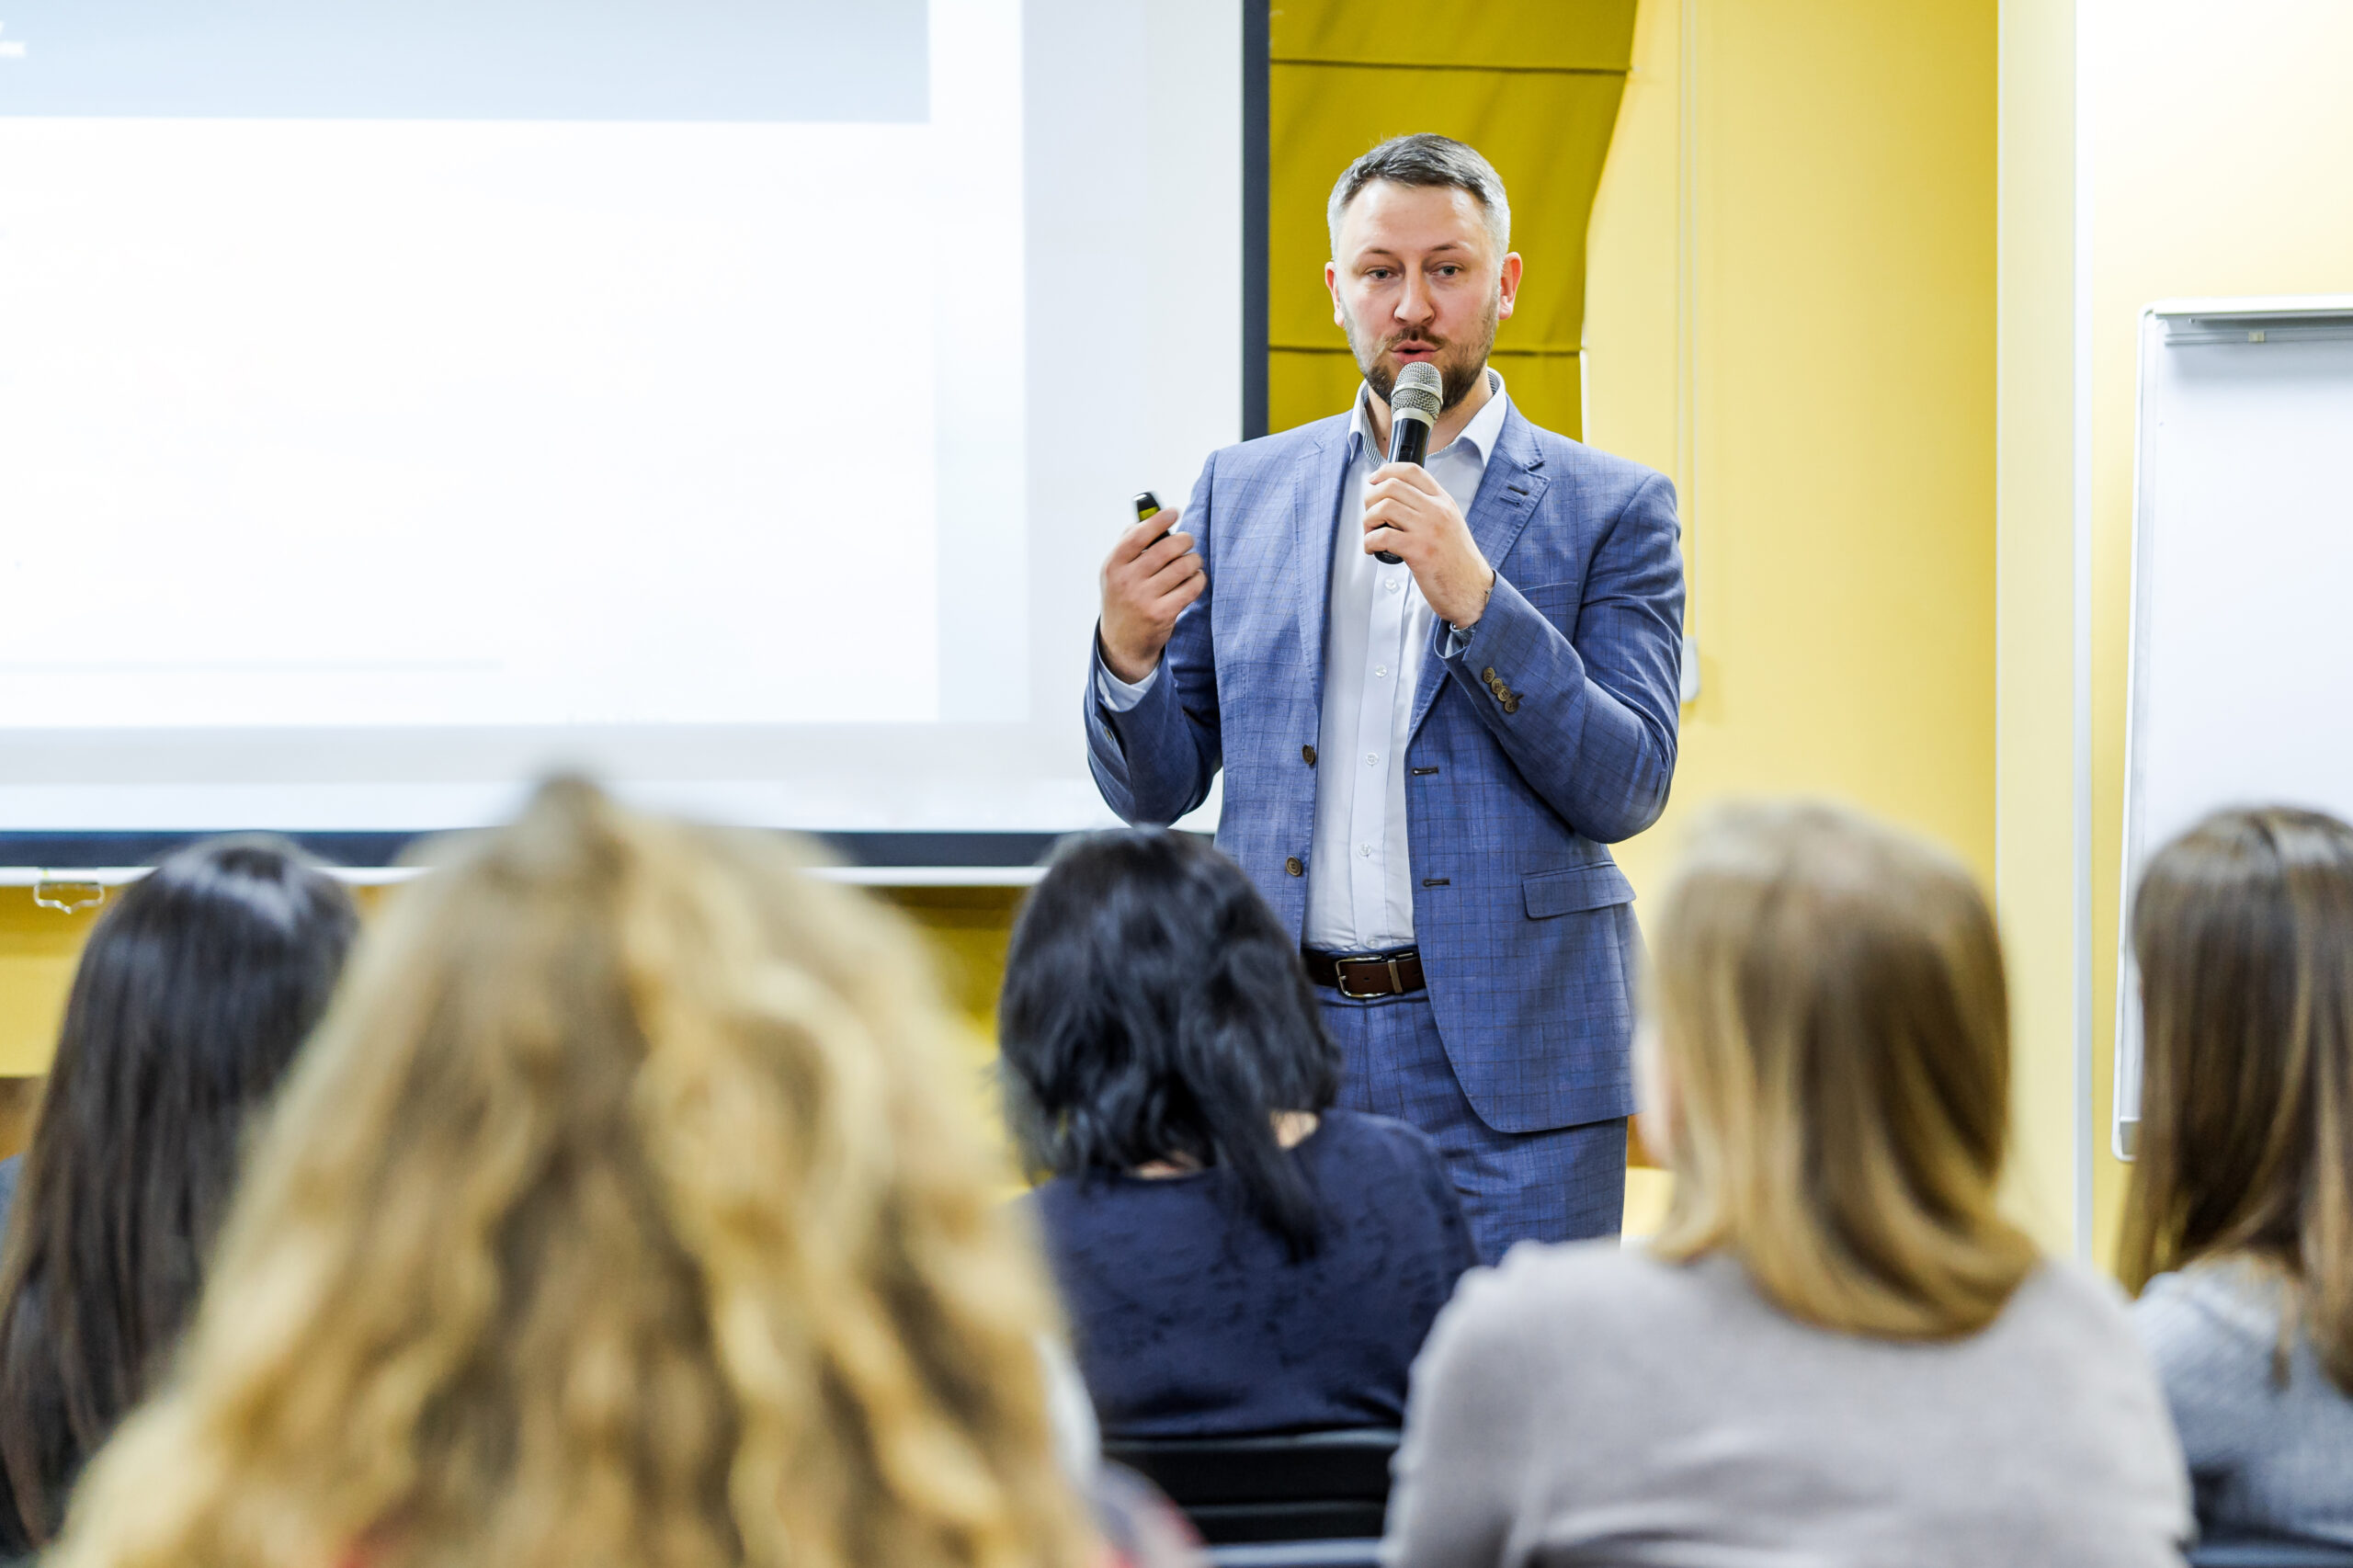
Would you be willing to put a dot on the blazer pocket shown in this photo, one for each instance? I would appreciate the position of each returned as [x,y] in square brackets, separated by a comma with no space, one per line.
[1597,886]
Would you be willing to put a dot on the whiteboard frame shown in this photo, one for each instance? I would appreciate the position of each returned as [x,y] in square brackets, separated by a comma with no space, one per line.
[2125,1066]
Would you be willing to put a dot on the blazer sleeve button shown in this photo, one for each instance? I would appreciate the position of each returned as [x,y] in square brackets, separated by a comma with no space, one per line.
[1307,755]
[1294,868]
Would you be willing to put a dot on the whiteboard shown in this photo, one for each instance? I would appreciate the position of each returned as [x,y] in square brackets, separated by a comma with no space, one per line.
[2241,679]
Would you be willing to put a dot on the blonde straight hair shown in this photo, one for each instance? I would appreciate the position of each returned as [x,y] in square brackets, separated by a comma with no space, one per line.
[1829,999]
[2243,930]
[626,1210]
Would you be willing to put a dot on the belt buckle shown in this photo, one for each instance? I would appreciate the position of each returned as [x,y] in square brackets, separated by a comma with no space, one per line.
[1396,980]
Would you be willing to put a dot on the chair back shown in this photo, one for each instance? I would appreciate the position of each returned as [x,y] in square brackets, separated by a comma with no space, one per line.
[1297,1488]
[1365,1553]
[2244,1552]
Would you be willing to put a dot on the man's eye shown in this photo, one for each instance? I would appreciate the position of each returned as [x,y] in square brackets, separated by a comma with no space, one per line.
[1379,274]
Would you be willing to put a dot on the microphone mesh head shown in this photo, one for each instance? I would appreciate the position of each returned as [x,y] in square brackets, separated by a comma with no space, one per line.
[1419,392]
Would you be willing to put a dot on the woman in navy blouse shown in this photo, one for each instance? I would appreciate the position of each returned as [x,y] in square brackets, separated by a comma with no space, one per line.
[1237,1256]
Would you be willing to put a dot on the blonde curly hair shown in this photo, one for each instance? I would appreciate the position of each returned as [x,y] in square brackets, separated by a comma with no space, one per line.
[623,1211]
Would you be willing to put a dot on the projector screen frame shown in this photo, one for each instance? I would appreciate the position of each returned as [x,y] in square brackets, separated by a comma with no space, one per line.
[58,856]
[1257,56]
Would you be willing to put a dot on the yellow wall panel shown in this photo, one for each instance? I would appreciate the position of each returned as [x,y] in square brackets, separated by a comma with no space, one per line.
[38,950]
[1547,34]
[1534,86]
[967,929]
[1841,530]
[1547,388]
[1306,384]
[2035,862]
[1823,396]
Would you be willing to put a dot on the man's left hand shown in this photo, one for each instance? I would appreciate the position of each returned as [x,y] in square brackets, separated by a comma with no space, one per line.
[1410,515]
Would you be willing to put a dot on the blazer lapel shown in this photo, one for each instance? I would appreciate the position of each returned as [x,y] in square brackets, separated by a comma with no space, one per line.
[1507,495]
[1314,512]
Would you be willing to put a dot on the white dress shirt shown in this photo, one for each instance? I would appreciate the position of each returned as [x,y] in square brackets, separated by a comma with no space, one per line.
[1377,629]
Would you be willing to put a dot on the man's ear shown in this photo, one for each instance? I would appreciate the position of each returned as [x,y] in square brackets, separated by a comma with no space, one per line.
[1332,287]
[1508,286]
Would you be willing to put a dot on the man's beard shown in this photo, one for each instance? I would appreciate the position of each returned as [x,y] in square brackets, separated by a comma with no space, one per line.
[1459,365]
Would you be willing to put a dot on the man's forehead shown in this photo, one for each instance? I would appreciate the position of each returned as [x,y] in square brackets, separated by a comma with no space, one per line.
[1421,217]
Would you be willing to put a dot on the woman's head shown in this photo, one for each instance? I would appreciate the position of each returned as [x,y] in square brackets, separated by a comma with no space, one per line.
[1154,1009]
[1832,1030]
[630,1208]
[193,993]
[2243,932]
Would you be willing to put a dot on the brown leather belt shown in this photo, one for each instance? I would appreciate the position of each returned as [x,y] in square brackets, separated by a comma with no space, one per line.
[1361,976]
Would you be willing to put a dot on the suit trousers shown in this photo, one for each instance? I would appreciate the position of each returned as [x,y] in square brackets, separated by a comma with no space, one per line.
[1567,1184]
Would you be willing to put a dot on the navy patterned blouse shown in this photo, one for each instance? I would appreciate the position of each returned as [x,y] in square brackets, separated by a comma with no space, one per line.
[1192,1319]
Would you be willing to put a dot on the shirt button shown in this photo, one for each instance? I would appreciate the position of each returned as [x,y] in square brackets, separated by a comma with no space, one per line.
[1393,584]
[1307,755]
[1380,670]
[1372,759]
[1294,868]
[1364,851]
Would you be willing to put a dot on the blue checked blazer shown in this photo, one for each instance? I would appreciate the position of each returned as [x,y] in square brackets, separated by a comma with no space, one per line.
[1551,735]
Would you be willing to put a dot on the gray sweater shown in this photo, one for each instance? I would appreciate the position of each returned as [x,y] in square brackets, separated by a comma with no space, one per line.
[2263,1459]
[1584,1405]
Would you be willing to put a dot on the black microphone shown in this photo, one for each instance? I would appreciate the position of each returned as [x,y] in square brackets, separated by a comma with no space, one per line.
[1413,403]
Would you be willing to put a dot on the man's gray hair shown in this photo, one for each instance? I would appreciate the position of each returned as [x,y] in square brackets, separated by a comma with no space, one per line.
[1425,159]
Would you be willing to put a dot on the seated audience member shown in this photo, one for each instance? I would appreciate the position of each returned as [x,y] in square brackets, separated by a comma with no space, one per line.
[629,1208]
[1236,1255]
[193,993]
[2239,1225]
[1836,1352]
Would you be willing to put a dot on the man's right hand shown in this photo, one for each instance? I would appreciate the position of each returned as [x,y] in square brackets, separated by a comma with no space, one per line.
[1145,587]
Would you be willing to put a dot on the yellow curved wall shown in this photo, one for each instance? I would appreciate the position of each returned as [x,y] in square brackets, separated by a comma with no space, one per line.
[1823,397]
[1534,85]
[1805,344]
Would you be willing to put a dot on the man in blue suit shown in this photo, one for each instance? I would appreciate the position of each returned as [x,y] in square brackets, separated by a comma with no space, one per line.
[1424,761]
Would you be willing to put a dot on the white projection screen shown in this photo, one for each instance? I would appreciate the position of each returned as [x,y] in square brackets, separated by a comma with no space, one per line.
[401,399]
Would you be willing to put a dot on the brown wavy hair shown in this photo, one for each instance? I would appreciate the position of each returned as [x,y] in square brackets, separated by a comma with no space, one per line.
[627,1210]
[1829,999]
[2243,932]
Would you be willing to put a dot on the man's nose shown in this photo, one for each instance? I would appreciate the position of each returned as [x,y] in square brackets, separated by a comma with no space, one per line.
[1414,306]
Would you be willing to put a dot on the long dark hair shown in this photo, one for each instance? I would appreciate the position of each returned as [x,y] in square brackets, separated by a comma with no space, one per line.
[2243,930]
[1155,1009]
[192,995]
